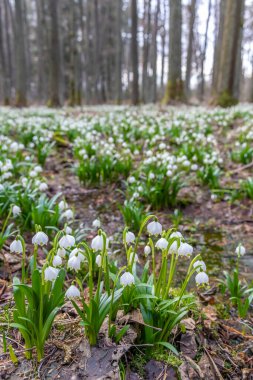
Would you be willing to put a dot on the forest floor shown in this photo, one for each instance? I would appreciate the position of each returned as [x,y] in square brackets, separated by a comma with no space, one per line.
[216,345]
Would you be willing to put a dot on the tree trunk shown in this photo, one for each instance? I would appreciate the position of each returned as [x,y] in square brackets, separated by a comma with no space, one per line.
[54,99]
[190,47]
[41,26]
[229,64]
[134,53]
[21,100]
[119,54]
[203,56]
[174,90]
[217,44]
[146,44]
[154,53]
[6,81]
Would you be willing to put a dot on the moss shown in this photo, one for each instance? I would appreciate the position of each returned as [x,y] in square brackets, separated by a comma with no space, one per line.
[226,100]
[20,100]
[222,311]
[163,355]
[138,362]
[174,91]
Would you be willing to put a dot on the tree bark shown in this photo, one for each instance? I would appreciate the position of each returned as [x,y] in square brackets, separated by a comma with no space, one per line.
[174,90]
[119,54]
[134,52]
[190,47]
[154,53]
[54,99]
[6,81]
[203,55]
[21,100]
[146,44]
[229,65]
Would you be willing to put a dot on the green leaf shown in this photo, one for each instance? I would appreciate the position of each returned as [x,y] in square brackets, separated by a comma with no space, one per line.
[169,346]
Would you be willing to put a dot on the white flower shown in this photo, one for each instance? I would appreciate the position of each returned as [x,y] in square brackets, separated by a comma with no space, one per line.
[16,210]
[127,279]
[51,273]
[68,230]
[99,260]
[185,249]
[61,252]
[77,252]
[147,250]
[151,176]
[98,243]
[130,237]
[43,186]
[67,241]
[174,247]
[63,205]
[40,238]
[154,228]
[162,243]
[202,278]
[57,261]
[176,234]
[68,214]
[240,250]
[136,258]
[74,263]
[96,223]
[16,246]
[131,179]
[1,187]
[72,292]
[200,265]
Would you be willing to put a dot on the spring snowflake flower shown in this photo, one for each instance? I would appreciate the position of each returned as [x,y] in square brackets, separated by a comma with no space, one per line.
[200,265]
[57,261]
[131,179]
[130,237]
[176,234]
[127,279]
[185,249]
[40,238]
[98,243]
[99,260]
[162,243]
[74,263]
[147,250]
[202,278]
[61,252]
[63,205]
[174,247]
[77,252]
[16,211]
[51,273]
[43,186]
[73,292]
[240,250]
[68,214]
[16,246]
[96,223]
[67,241]
[154,228]
[68,230]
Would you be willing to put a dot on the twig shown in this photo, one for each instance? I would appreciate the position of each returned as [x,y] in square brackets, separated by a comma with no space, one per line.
[241,168]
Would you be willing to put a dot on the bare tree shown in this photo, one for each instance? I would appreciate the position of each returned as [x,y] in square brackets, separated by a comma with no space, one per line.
[229,64]
[134,52]
[192,9]
[6,81]
[154,52]
[203,55]
[174,90]
[119,54]
[146,45]
[54,99]
[20,56]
